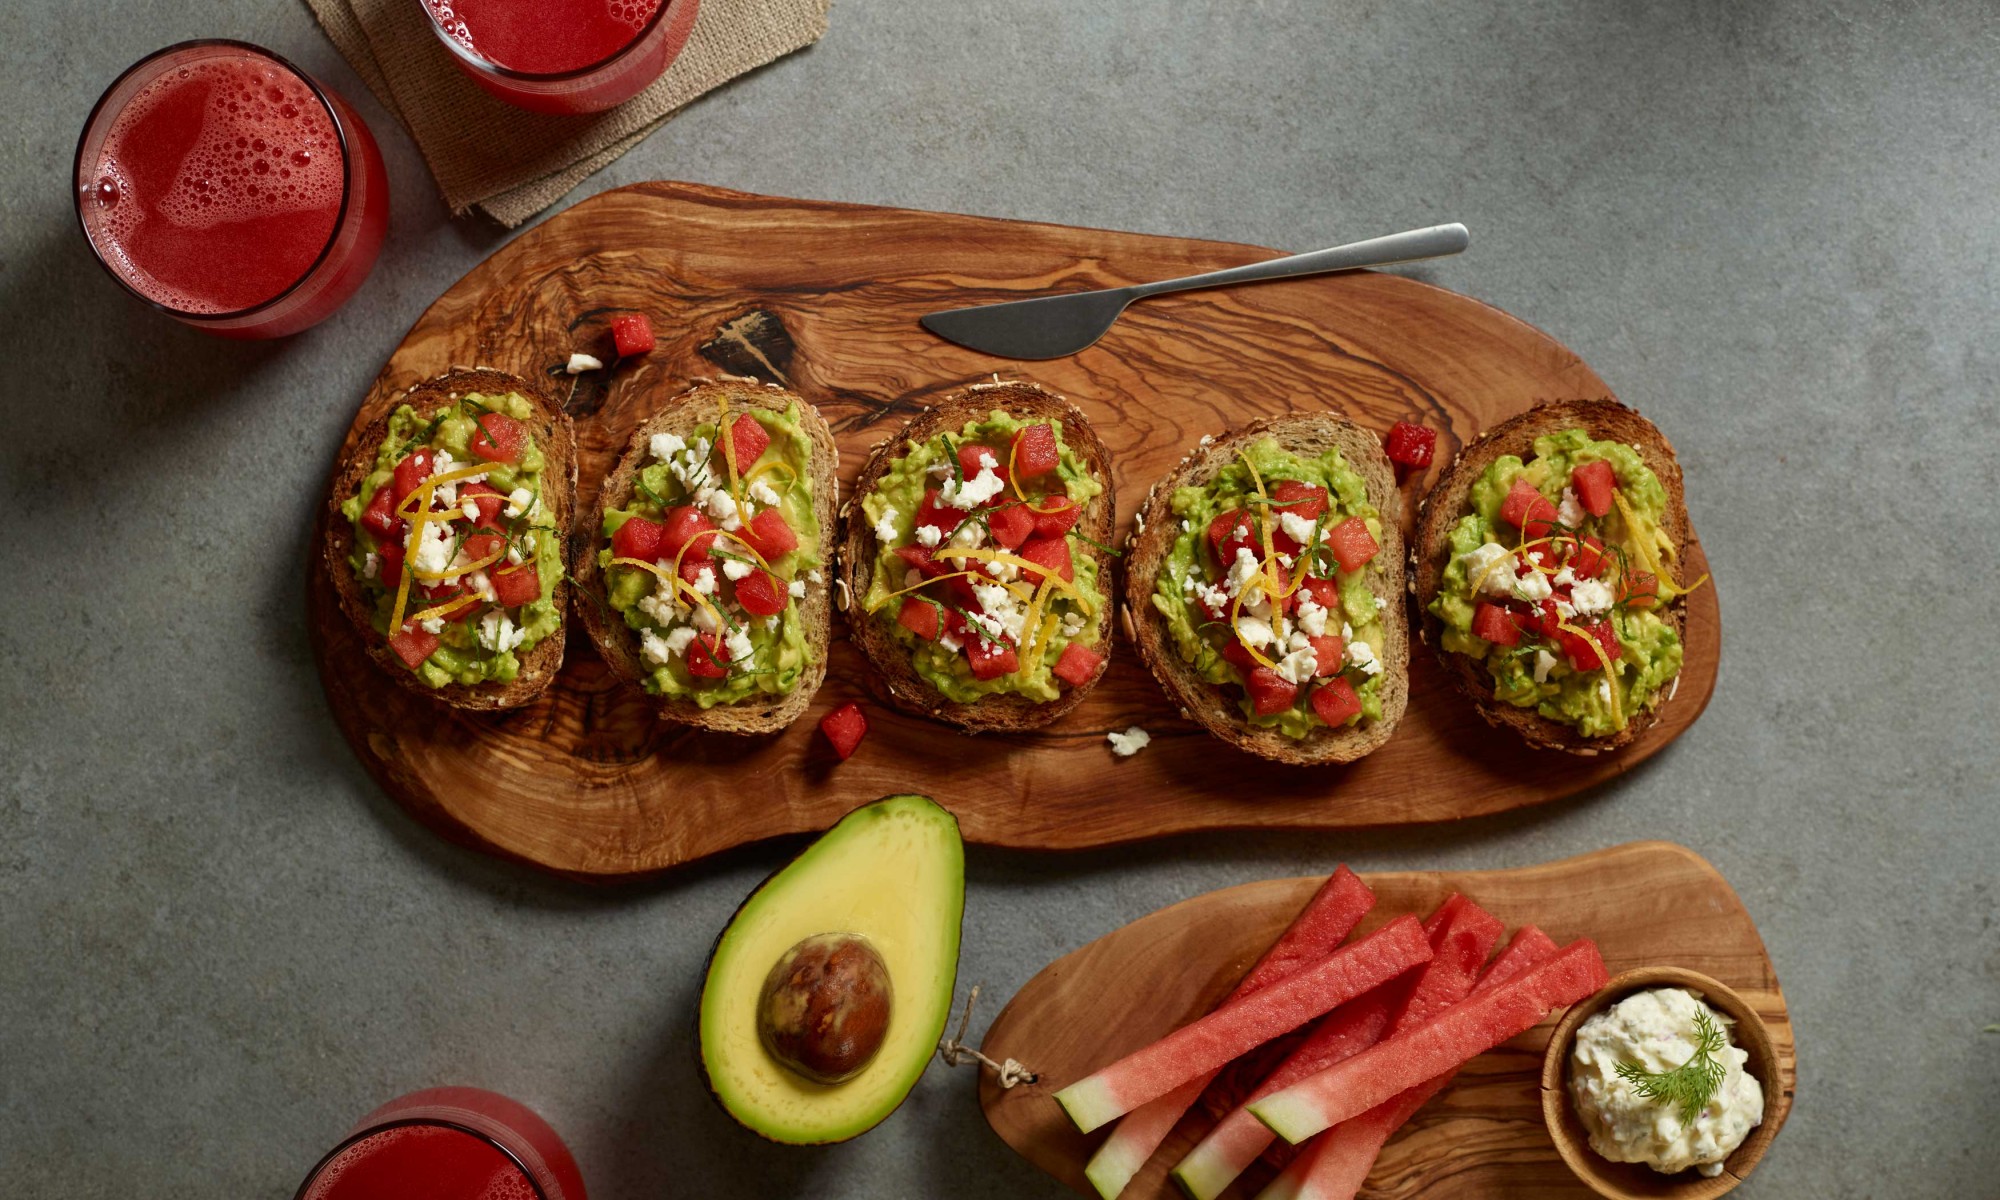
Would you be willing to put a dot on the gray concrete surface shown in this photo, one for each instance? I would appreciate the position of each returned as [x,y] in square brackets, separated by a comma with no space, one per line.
[1774,227]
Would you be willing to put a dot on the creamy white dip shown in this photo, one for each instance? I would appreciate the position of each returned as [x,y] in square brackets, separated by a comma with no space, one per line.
[1656,1029]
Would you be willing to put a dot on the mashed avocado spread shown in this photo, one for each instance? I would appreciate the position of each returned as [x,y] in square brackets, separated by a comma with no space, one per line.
[483,568]
[1558,553]
[1217,588]
[718,614]
[955,493]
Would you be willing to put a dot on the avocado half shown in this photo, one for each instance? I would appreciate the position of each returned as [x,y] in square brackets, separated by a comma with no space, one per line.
[892,872]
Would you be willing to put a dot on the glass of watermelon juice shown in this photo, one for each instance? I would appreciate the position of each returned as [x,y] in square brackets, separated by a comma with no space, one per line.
[225,187]
[563,56]
[448,1143]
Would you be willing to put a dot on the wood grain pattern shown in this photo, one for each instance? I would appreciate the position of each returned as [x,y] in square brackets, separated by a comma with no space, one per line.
[825,297]
[1646,903]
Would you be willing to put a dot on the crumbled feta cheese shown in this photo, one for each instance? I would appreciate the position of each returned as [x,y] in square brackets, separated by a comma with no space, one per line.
[1565,578]
[371,566]
[1000,605]
[498,633]
[1312,615]
[929,535]
[1126,744]
[722,506]
[797,589]
[950,641]
[664,446]
[1361,655]
[1346,631]
[679,639]
[763,493]
[885,528]
[1006,572]
[813,576]
[690,464]
[579,363]
[469,508]
[1255,632]
[971,537]
[1240,571]
[1296,527]
[1592,596]
[513,557]
[705,620]
[1564,608]
[482,587]
[1298,666]
[1187,526]
[1072,623]
[735,569]
[973,492]
[1604,690]
[1532,586]
[433,625]
[434,554]
[1489,568]
[1570,511]
[741,651]
[1211,597]
[520,502]
[1544,661]
[771,623]
[704,580]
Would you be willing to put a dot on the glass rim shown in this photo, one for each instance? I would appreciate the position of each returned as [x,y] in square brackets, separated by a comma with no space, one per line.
[472,58]
[346,175]
[356,1138]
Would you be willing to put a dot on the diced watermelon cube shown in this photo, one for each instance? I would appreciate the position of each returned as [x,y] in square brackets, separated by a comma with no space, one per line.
[1411,445]
[1270,692]
[516,585]
[1208,1043]
[1228,532]
[1352,544]
[1587,557]
[762,594]
[1325,592]
[1055,515]
[1530,511]
[706,655]
[497,437]
[391,566]
[1302,500]
[1034,451]
[682,525]
[921,560]
[1077,664]
[1327,652]
[1593,483]
[1051,555]
[1638,590]
[1335,702]
[935,513]
[770,535]
[990,660]
[1495,624]
[1582,651]
[920,616]
[413,645]
[1332,913]
[844,728]
[750,439]
[1010,524]
[974,458]
[411,472]
[631,333]
[1461,1032]
[380,518]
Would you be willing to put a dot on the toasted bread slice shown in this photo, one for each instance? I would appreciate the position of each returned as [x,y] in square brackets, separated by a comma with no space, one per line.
[552,432]
[894,678]
[1450,499]
[619,643]
[1153,536]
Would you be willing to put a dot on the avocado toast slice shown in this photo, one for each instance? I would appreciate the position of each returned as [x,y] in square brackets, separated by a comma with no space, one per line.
[1466,508]
[465,662]
[975,554]
[1192,610]
[715,600]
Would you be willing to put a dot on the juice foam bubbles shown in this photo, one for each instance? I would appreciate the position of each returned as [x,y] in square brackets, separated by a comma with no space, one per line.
[550,37]
[265,148]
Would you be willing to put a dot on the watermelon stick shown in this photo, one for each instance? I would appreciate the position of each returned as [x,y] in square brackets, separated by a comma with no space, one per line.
[1460,1033]
[1334,1165]
[1325,921]
[1461,935]
[1236,1028]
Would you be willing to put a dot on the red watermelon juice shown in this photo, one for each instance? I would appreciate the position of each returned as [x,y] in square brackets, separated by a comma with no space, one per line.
[219,183]
[447,1144]
[563,56]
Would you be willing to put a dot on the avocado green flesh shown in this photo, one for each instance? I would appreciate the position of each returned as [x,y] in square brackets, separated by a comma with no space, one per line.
[894,873]
[1190,556]
[459,658]
[1650,650]
[782,654]
[902,488]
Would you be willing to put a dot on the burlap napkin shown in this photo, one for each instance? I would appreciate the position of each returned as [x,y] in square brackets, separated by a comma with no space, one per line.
[512,164]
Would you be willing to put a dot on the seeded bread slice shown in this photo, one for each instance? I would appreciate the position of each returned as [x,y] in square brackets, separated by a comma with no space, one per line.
[894,678]
[1307,435]
[552,432]
[618,642]
[1604,420]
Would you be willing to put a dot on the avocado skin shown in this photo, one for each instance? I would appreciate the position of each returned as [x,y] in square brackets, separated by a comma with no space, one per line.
[858,1104]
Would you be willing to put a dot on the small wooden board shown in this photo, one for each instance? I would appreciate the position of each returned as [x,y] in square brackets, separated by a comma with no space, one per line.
[825,298]
[1646,903]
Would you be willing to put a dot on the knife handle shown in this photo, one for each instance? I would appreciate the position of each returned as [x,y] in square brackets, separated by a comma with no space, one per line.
[1434,242]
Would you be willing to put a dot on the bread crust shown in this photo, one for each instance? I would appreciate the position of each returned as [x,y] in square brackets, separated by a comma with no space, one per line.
[1153,536]
[894,679]
[1604,420]
[618,642]
[552,431]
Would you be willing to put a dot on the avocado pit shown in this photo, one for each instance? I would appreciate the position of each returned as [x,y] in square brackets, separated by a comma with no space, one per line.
[824,1009]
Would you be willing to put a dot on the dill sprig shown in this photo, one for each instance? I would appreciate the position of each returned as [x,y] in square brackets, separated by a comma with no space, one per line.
[1690,1086]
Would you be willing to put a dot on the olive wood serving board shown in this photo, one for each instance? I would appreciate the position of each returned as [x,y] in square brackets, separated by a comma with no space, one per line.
[825,298]
[1645,904]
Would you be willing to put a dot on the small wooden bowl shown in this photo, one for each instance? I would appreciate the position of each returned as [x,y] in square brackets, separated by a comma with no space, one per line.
[1629,1181]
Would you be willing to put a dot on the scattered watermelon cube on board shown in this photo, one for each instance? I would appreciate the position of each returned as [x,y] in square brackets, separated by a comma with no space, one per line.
[1208,1043]
[1460,1033]
[1334,1165]
[844,727]
[1325,921]
[632,334]
[1461,934]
